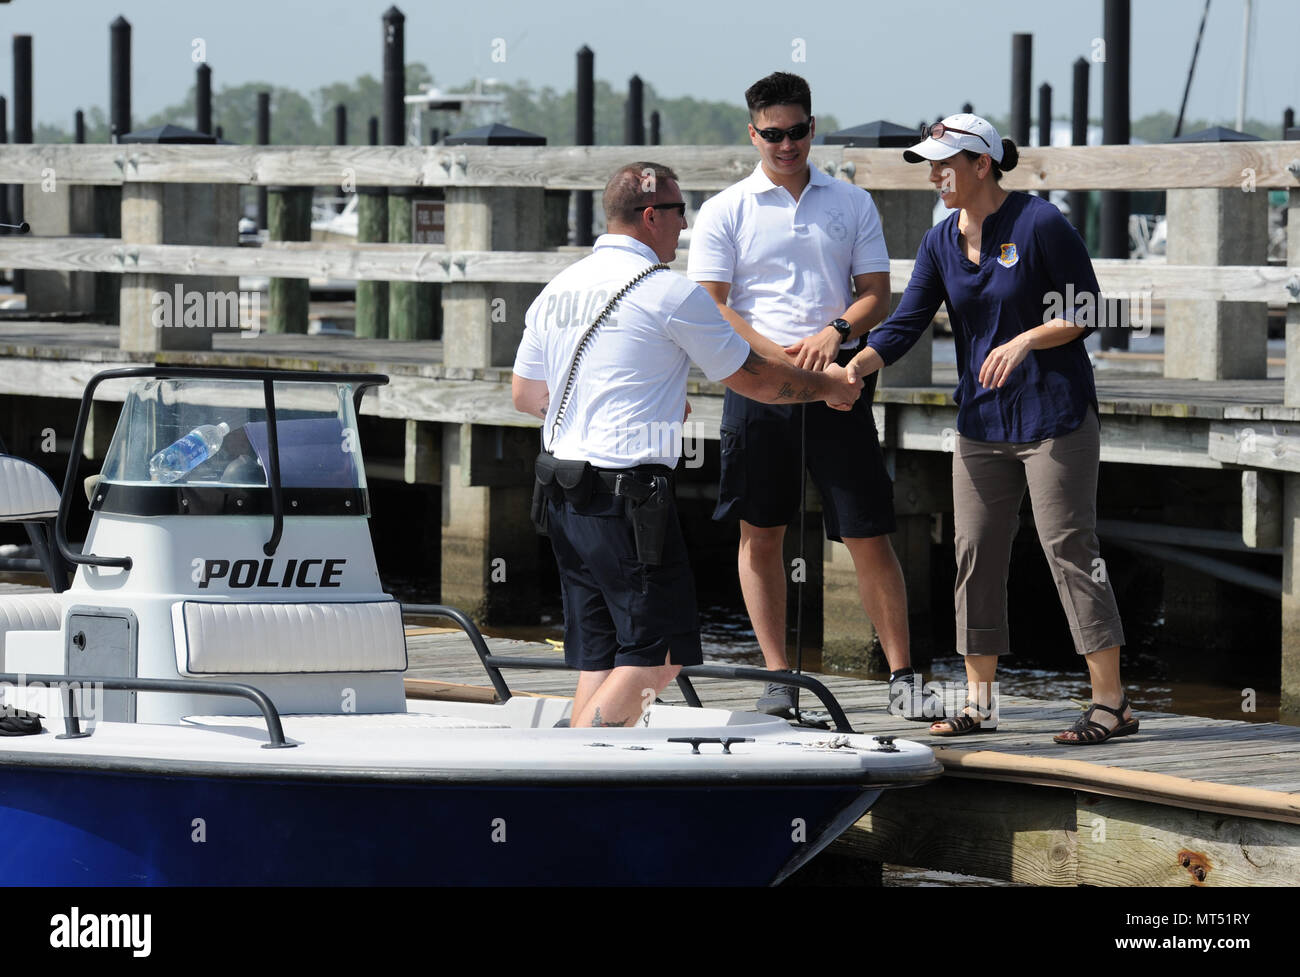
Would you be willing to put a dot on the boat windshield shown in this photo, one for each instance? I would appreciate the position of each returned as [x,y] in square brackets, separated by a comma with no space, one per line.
[216,431]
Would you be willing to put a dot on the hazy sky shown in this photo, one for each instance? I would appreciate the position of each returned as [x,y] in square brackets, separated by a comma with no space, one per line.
[901,60]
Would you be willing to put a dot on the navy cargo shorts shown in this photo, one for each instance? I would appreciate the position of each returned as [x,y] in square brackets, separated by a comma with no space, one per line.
[762,477]
[618,611]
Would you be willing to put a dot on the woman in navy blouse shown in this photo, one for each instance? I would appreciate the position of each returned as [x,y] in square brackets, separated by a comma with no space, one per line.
[1021,295]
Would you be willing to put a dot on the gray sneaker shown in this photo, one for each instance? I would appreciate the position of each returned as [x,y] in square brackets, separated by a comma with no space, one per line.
[778,700]
[909,699]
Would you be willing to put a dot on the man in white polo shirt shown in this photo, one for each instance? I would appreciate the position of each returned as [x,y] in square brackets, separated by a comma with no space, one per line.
[783,253]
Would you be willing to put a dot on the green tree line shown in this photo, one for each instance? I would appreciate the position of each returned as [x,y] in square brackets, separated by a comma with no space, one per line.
[308,120]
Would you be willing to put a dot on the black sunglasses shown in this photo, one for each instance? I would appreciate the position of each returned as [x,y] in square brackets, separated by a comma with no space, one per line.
[795,132]
[677,205]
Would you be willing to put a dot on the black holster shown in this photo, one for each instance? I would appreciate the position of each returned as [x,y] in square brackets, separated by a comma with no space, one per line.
[649,510]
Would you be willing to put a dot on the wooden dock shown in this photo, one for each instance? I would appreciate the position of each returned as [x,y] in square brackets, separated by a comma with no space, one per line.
[1186,801]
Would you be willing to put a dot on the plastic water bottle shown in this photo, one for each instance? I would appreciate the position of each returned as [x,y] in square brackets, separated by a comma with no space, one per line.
[181,457]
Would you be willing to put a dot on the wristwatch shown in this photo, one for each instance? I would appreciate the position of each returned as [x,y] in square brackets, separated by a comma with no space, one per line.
[843,328]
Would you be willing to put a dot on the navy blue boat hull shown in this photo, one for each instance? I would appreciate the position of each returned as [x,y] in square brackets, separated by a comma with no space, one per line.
[66,826]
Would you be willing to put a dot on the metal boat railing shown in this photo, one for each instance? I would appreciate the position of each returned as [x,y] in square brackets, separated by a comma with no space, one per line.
[493,664]
[69,685]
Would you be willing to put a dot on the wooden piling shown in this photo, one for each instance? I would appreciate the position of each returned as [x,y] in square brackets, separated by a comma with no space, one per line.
[289,219]
[654,128]
[411,305]
[1044,121]
[263,139]
[119,78]
[1022,53]
[634,113]
[22,127]
[1079,137]
[203,98]
[584,134]
[372,228]
[1115,131]
[394,108]
[4,190]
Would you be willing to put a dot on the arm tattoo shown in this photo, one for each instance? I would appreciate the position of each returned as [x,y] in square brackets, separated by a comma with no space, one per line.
[753,363]
[598,720]
[786,392]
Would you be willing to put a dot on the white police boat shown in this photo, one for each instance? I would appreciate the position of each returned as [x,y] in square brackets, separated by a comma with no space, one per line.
[222,688]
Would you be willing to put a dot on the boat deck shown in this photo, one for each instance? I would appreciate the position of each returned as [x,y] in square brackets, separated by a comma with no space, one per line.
[1187,800]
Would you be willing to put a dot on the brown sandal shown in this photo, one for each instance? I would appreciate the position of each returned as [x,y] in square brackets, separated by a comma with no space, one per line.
[964,723]
[1088,731]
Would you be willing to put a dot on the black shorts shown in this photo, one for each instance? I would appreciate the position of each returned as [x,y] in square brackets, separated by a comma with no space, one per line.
[618,611]
[761,477]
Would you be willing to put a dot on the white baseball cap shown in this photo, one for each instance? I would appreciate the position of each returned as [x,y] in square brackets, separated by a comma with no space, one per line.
[955,133]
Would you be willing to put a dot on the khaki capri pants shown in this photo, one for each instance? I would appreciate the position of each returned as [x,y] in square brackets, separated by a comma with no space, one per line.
[988,484]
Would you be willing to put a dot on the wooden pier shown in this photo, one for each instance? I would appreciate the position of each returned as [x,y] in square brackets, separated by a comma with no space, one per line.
[1214,413]
[1185,801]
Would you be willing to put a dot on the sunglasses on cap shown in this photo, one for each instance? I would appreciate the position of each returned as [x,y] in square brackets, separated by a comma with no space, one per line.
[937,130]
[795,132]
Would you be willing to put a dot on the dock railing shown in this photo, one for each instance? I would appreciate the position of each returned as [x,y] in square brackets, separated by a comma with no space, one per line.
[1216,285]
[1217,219]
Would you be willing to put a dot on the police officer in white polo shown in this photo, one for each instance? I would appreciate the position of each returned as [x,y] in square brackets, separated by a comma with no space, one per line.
[612,400]
[783,253]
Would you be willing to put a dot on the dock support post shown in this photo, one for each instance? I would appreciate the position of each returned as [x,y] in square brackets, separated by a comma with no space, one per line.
[484,321]
[170,311]
[414,308]
[1206,339]
[490,551]
[289,219]
[905,217]
[1290,701]
[584,134]
[1291,393]
[487,471]
[263,139]
[922,486]
[1289,706]
[372,228]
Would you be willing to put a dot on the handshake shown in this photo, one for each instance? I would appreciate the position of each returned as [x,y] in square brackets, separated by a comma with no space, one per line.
[843,388]
[842,385]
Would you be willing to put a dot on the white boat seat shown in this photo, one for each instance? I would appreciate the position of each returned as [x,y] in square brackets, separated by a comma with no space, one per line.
[222,637]
[29,612]
[26,492]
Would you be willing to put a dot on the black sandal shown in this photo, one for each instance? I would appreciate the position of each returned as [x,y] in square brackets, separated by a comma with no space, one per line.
[1088,731]
[964,723]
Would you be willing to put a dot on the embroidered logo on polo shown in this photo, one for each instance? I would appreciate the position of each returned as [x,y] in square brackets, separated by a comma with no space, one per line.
[835,225]
[1008,255]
